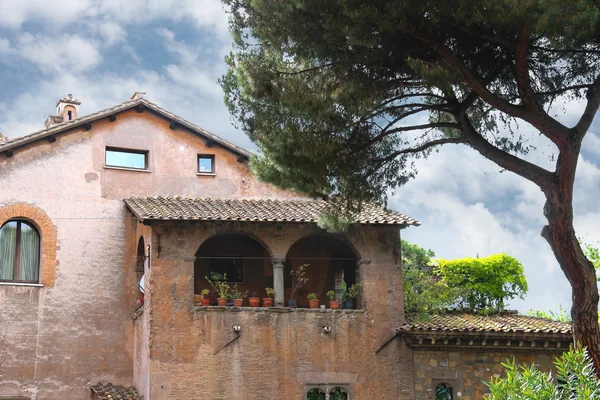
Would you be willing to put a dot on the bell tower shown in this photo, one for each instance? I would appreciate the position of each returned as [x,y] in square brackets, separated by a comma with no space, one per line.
[68,108]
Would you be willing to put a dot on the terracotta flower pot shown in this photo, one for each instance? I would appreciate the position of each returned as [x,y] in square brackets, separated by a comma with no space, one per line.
[222,301]
[334,304]
[267,302]
[238,302]
[206,302]
[313,303]
[197,299]
[254,301]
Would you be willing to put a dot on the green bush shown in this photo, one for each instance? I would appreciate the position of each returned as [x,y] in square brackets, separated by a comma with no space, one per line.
[574,380]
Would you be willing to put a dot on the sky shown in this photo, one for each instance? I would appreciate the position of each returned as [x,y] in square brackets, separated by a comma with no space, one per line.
[102,51]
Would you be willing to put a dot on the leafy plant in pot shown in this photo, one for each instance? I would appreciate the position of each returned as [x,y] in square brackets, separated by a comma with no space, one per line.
[349,295]
[238,296]
[205,297]
[298,280]
[254,300]
[268,301]
[333,304]
[313,302]
[222,288]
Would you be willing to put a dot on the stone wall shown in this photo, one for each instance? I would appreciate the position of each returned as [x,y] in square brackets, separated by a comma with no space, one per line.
[279,353]
[466,371]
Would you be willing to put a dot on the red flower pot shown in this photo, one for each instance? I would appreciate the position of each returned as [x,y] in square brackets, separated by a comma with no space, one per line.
[222,301]
[334,304]
[254,301]
[267,302]
[206,302]
[238,302]
[313,303]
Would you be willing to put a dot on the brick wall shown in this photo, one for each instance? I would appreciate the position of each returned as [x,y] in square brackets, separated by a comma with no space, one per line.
[278,354]
[466,371]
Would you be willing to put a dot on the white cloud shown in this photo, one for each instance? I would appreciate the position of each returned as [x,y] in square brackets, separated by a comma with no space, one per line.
[112,32]
[55,12]
[60,53]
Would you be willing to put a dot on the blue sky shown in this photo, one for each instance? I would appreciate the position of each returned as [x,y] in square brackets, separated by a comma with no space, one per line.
[103,51]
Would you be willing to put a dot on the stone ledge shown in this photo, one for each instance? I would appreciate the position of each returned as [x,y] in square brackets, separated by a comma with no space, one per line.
[279,310]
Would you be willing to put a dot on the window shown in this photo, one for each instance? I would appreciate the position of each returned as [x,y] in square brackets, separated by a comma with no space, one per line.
[338,394]
[315,394]
[19,252]
[137,159]
[70,114]
[230,268]
[443,391]
[206,164]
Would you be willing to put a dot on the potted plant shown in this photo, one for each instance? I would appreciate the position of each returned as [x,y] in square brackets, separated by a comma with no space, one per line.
[205,297]
[254,300]
[238,296]
[268,301]
[222,289]
[333,304]
[298,280]
[349,295]
[313,302]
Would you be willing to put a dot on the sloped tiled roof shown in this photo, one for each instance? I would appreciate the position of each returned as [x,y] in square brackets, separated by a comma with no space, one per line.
[108,391]
[257,210]
[500,323]
[65,126]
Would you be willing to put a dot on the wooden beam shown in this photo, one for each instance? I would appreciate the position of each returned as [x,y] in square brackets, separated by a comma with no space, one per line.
[51,138]
[242,158]
[112,118]
[210,143]
[87,126]
[9,153]
[173,125]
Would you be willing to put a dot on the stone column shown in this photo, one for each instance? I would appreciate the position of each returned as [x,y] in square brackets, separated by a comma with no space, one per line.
[278,281]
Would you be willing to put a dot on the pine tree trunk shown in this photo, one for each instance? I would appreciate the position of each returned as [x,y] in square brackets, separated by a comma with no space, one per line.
[580,272]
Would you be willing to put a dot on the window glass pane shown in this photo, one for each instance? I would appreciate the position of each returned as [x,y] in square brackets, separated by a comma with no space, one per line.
[443,391]
[8,249]
[127,159]
[205,164]
[338,394]
[29,255]
[231,269]
[315,394]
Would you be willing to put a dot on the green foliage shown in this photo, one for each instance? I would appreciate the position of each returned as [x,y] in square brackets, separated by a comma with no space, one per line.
[351,292]
[221,287]
[270,292]
[593,254]
[327,89]
[415,256]
[331,295]
[236,293]
[560,315]
[299,278]
[425,292]
[575,379]
[312,296]
[205,292]
[487,281]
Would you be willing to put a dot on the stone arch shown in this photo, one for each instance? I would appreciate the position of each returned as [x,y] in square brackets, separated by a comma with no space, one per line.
[47,232]
[241,233]
[242,258]
[332,262]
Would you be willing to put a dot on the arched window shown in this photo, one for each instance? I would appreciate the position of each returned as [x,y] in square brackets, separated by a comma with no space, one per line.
[443,391]
[19,252]
[338,394]
[315,394]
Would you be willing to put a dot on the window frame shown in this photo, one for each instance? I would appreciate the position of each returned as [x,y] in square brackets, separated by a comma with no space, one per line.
[17,266]
[211,157]
[145,153]
[225,257]
[447,385]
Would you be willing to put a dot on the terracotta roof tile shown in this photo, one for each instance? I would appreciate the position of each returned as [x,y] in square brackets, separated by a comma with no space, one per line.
[251,209]
[64,126]
[500,323]
[108,391]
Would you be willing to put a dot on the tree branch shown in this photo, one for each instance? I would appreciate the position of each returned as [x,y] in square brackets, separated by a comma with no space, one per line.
[527,170]
[423,147]
[593,96]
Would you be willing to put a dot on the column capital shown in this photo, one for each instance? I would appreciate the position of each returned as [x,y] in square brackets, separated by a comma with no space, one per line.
[278,260]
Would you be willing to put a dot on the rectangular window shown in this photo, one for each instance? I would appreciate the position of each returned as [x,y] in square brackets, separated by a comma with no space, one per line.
[137,159]
[229,268]
[206,164]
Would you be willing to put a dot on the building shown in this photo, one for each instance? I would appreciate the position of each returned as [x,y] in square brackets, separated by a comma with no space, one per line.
[91,204]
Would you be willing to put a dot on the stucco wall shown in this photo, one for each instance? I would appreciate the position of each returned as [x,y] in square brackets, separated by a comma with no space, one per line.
[467,371]
[278,354]
[54,341]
